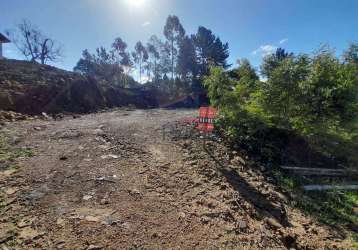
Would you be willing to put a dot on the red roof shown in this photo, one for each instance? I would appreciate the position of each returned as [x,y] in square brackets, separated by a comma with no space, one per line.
[4,39]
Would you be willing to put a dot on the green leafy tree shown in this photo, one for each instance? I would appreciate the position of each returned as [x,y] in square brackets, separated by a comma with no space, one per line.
[210,50]
[174,33]
[86,64]
[247,89]
[245,73]
[270,62]
[320,88]
[304,97]
[351,54]
[120,47]
[282,94]
[331,90]
[187,61]
[219,86]
[102,65]
[242,125]
[140,56]
[346,99]
[153,48]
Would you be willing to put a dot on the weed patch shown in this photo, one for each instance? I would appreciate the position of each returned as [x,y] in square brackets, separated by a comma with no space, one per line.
[8,153]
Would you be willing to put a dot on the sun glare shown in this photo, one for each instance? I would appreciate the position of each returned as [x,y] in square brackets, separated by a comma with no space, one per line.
[136,3]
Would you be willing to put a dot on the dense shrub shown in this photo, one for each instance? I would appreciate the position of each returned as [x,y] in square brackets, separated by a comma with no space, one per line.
[302,95]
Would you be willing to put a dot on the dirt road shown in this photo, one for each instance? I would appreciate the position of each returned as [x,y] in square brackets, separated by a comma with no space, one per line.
[112,181]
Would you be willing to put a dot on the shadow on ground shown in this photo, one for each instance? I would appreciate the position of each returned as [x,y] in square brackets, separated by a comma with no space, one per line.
[263,207]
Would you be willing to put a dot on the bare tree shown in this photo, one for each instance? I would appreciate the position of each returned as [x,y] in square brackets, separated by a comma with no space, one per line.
[34,45]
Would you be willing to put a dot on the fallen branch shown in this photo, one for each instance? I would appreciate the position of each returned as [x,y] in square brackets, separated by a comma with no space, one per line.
[330,187]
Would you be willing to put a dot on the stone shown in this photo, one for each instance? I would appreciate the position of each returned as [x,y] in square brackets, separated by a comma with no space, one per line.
[26,222]
[60,221]
[239,159]
[11,190]
[205,219]
[109,156]
[91,218]
[273,223]
[242,224]
[103,147]
[45,116]
[104,201]
[281,196]
[94,247]
[60,244]
[28,234]
[87,197]
[181,215]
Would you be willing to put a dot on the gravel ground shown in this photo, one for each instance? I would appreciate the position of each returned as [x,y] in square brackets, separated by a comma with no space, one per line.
[130,179]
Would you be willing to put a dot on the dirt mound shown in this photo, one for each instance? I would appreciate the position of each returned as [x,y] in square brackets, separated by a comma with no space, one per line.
[32,88]
[136,97]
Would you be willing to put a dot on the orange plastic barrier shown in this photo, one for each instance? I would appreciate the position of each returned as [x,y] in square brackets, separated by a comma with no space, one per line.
[207,117]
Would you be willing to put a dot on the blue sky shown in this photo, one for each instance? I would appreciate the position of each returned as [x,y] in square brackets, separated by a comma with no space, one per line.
[252,27]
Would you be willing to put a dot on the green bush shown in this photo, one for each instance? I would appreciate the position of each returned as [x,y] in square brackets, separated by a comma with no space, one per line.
[303,95]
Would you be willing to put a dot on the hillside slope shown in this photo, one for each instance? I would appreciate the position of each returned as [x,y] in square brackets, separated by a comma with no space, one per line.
[33,88]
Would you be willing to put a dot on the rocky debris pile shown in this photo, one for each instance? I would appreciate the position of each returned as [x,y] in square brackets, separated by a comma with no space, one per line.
[31,88]
[255,211]
[11,116]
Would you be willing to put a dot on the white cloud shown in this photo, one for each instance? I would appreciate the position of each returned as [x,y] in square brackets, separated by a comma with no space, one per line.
[265,50]
[285,40]
[147,23]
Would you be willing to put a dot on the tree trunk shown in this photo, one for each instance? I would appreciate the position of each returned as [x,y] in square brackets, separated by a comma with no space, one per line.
[172,59]
[44,51]
[155,69]
[140,71]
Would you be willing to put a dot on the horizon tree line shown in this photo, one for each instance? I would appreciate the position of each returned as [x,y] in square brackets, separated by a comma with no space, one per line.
[184,57]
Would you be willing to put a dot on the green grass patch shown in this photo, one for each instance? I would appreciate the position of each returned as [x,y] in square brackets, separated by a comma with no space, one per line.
[355,240]
[9,153]
[332,207]
[340,144]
